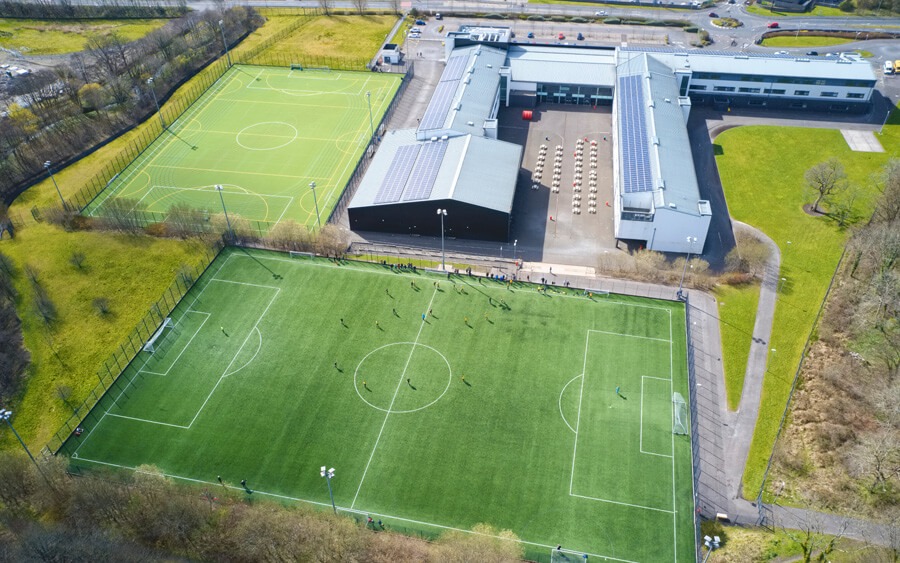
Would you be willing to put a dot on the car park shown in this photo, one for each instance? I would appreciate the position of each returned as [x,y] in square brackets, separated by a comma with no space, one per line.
[773,25]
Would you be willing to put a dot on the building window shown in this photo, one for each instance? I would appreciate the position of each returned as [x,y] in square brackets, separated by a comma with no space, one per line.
[856,96]
[749,90]
[801,92]
[773,91]
[829,94]
[698,86]
[632,216]
[723,88]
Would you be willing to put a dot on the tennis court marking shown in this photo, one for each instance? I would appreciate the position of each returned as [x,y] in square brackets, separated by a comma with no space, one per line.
[186,117]
[186,346]
[393,399]
[674,510]
[343,508]
[641,439]
[223,376]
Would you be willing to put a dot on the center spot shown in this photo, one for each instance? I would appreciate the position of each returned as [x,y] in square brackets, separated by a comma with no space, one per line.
[402,377]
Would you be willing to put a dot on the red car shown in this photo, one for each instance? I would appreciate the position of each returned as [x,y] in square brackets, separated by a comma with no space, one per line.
[561,36]
[773,25]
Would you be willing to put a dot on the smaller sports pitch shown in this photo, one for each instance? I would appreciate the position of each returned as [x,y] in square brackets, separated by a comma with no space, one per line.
[263,134]
[441,403]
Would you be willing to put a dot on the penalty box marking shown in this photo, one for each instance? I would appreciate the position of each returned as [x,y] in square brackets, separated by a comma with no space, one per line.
[578,424]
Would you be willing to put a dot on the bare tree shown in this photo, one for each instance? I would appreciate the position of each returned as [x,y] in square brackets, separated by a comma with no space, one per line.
[360,5]
[326,6]
[824,180]
[877,455]
[395,6]
[814,537]
[888,209]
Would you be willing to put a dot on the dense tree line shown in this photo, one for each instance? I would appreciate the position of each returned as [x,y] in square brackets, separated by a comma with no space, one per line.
[60,113]
[107,9]
[14,357]
[144,516]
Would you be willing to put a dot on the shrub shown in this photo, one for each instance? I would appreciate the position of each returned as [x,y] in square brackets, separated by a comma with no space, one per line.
[847,6]
[578,20]
[494,16]
[536,18]
[557,18]
[691,29]
[612,21]
[101,305]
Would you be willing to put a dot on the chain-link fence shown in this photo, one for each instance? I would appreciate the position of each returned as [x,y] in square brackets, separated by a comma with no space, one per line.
[111,370]
[695,426]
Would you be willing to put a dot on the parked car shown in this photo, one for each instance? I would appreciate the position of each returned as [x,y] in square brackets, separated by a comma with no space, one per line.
[601,13]
[580,36]
[531,35]
[713,15]
[773,25]
[561,36]
[438,17]
[812,54]
[888,67]
[420,22]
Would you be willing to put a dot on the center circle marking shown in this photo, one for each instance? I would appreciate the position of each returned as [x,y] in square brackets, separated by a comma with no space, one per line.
[290,130]
[357,383]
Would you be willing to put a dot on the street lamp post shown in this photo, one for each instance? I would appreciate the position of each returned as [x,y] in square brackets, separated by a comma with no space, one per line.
[55,185]
[442,213]
[222,29]
[156,102]
[371,123]
[312,186]
[712,544]
[515,243]
[691,241]
[221,191]
[328,474]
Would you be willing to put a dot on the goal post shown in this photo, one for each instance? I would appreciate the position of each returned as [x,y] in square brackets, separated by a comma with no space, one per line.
[595,292]
[680,422]
[151,344]
[562,555]
[297,254]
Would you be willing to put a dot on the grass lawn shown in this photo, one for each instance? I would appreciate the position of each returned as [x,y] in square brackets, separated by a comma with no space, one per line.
[131,272]
[824,11]
[264,134]
[737,315]
[441,404]
[338,38]
[765,188]
[757,544]
[54,37]
[803,41]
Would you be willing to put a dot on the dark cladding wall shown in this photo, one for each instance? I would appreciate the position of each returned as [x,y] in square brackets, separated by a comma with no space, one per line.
[780,102]
[463,220]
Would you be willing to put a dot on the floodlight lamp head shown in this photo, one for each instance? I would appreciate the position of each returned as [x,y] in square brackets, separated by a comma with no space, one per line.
[331,472]
[46,164]
[221,22]
[312,185]
[716,540]
[219,187]
[706,539]
[150,80]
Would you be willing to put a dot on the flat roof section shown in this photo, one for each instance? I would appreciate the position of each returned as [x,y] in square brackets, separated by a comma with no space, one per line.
[562,65]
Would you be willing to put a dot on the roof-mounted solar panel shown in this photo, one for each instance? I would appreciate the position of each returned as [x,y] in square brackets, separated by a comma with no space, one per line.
[392,186]
[425,171]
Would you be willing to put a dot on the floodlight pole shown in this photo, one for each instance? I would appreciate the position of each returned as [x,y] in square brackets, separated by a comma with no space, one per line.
[515,242]
[371,122]
[220,189]
[691,241]
[442,213]
[312,186]
[156,102]
[712,544]
[222,29]
[55,185]
[6,414]
[328,474]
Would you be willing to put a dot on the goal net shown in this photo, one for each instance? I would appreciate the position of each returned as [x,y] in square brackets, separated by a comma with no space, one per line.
[595,292]
[566,556]
[155,340]
[680,425]
[296,254]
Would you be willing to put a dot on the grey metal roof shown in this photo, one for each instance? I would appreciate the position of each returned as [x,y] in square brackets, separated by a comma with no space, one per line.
[725,62]
[472,96]
[667,138]
[474,170]
[561,65]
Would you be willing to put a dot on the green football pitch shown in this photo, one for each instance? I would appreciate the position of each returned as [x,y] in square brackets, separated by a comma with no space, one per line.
[498,406]
[264,134]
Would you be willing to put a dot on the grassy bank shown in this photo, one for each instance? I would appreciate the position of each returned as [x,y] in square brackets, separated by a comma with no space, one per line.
[803,41]
[737,315]
[55,37]
[810,246]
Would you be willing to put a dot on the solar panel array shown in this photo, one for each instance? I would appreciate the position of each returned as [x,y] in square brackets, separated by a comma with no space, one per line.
[455,68]
[636,173]
[424,173]
[398,174]
[439,107]
[682,52]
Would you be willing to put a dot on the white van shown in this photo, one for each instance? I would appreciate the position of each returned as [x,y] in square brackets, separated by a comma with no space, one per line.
[888,67]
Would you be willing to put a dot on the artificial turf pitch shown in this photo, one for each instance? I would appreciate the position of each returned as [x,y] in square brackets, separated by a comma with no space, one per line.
[264,134]
[498,407]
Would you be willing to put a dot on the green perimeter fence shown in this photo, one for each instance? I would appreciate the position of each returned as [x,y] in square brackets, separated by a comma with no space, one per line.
[128,349]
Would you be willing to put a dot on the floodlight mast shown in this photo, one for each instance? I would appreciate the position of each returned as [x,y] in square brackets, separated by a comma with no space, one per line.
[222,29]
[312,186]
[712,544]
[55,185]
[371,123]
[691,241]
[156,102]
[6,415]
[221,190]
[442,213]
[328,474]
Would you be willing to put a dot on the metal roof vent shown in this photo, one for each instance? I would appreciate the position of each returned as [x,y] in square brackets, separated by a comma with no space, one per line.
[470,123]
[433,139]
[444,138]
